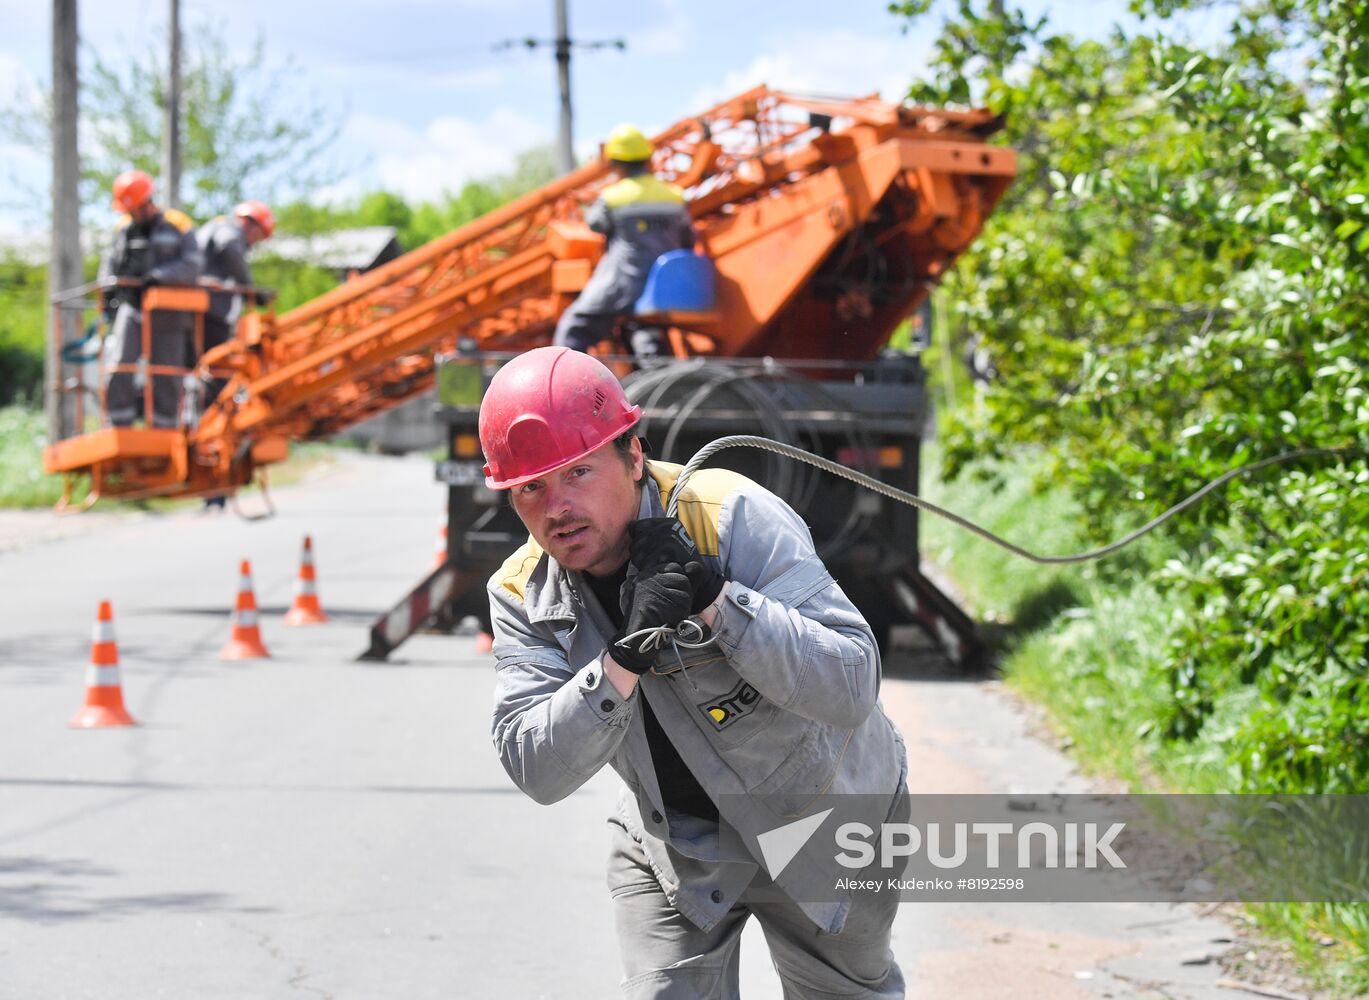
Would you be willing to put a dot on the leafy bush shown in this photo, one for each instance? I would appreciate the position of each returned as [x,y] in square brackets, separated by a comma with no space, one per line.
[23,483]
[23,298]
[1178,285]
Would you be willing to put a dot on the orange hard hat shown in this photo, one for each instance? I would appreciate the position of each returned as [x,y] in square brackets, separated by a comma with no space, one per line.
[546,409]
[258,213]
[131,189]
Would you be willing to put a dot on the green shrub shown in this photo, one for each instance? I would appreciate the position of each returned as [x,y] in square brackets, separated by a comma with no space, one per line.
[1178,284]
[23,433]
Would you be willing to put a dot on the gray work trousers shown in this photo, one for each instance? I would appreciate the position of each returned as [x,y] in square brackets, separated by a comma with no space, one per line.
[171,334]
[581,331]
[666,957]
[216,331]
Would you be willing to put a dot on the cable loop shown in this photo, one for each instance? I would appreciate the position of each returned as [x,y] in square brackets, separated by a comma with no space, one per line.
[689,634]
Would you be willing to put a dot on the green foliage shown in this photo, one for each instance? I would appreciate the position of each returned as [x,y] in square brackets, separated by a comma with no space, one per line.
[23,311]
[23,432]
[1177,285]
[425,221]
[247,131]
[1091,645]
[294,282]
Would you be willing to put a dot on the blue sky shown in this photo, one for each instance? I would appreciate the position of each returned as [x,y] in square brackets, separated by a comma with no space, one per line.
[426,105]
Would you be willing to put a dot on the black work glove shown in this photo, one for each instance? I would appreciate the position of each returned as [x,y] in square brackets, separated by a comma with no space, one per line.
[706,582]
[656,541]
[264,296]
[151,279]
[659,598]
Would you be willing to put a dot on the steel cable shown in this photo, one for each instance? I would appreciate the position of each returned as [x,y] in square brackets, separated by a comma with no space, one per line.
[893,493]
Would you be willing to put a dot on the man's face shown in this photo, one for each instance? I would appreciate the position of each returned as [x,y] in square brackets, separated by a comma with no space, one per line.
[144,212]
[579,514]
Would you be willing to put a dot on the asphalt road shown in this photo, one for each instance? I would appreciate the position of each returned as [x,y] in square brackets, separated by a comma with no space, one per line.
[314,826]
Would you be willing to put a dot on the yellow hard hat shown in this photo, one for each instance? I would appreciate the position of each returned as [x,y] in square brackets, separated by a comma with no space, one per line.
[626,143]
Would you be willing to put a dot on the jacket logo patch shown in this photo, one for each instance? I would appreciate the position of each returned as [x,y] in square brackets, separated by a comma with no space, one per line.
[680,533]
[737,703]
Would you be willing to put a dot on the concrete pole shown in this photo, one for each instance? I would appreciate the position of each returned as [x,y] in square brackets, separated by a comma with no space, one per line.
[65,262]
[565,148]
[171,121]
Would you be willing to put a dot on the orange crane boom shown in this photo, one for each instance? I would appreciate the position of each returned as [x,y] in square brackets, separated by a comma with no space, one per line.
[828,221]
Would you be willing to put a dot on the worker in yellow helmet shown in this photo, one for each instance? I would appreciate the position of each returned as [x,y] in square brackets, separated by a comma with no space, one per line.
[151,246]
[642,217]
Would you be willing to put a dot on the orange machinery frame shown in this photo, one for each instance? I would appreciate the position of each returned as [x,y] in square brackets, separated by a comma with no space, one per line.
[794,199]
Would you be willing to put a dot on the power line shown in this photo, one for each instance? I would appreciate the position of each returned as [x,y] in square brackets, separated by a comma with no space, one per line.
[561,46]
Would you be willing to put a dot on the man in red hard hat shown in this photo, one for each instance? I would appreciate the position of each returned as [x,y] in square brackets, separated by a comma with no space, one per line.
[224,242]
[711,660]
[150,247]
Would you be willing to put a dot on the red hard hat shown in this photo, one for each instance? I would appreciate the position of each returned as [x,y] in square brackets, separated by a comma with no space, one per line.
[545,409]
[258,213]
[131,189]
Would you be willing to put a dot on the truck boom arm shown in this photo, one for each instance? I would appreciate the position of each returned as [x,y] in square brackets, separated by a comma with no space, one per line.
[828,221]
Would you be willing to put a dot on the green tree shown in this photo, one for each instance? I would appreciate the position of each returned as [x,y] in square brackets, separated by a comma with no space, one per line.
[247,130]
[23,300]
[1177,285]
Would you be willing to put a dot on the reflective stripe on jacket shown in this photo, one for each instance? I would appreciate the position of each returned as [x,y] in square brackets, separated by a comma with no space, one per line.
[786,629]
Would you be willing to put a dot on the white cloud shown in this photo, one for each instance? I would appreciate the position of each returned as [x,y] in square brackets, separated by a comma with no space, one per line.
[448,152]
[25,176]
[346,191]
[486,78]
[839,62]
[672,36]
[13,77]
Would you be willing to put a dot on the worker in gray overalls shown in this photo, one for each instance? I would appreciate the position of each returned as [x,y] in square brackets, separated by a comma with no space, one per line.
[224,242]
[151,247]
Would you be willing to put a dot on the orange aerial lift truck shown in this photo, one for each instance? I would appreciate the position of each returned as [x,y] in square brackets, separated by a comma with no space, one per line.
[824,223]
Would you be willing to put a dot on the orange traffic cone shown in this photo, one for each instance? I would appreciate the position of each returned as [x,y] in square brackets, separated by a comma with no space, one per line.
[305,610]
[104,694]
[440,549]
[246,642]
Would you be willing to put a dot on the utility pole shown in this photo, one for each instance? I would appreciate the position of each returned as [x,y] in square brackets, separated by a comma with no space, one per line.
[171,119]
[561,46]
[565,148]
[65,263]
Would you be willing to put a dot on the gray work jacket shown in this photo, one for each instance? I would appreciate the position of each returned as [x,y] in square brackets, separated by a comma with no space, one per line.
[786,632]
[163,249]
[224,247]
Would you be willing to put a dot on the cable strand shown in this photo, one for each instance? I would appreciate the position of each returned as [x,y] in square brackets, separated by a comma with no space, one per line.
[902,496]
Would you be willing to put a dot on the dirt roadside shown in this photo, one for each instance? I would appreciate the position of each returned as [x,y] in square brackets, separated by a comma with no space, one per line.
[974,736]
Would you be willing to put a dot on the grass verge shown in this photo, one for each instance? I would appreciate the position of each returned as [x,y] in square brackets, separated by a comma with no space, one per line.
[1086,642]
[23,483]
